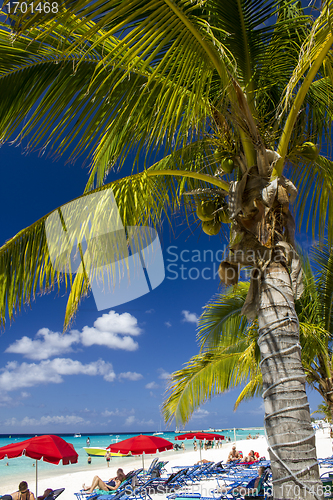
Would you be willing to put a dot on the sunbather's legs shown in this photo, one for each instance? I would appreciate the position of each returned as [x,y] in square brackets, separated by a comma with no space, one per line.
[97,483]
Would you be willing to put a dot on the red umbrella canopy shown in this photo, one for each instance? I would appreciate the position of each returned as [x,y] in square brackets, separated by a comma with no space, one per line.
[209,436]
[141,444]
[50,448]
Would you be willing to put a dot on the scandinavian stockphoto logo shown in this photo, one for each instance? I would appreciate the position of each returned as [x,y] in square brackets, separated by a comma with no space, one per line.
[87,236]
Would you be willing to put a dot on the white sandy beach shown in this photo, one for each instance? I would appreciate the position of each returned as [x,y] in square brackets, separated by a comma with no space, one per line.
[72,481]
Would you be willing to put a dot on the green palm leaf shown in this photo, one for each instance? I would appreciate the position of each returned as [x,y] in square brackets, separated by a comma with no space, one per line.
[142,199]
[229,355]
[209,373]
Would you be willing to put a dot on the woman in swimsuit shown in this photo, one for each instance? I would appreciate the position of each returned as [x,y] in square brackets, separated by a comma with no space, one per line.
[251,457]
[110,485]
[23,492]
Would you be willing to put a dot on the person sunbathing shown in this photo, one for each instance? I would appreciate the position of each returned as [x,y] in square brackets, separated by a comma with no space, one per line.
[203,461]
[251,457]
[111,485]
[233,455]
[45,494]
[253,488]
[23,492]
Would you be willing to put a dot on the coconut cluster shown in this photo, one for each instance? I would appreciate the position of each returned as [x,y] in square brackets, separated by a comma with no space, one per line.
[309,151]
[212,214]
[226,161]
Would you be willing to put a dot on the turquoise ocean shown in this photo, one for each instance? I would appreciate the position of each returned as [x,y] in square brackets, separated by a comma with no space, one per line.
[22,467]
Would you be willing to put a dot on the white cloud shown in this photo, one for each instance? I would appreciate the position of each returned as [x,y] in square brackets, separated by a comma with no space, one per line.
[130,420]
[190,317]
[112,330]
[130,376]
[92,336]
[61,419]
[6,400]
[163,374]
[25,394]
[200,413]
[47,344]
[117,413]
[259,410]
[146,422]
[15,376]
[168,324]
[151,385]
[118,323]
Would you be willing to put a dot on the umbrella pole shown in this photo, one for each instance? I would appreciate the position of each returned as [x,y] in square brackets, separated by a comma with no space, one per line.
[36,479]
[200,449]
[143,463]
[235,434]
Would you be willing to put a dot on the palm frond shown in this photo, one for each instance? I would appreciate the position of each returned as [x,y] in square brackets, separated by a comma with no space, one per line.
[242,28]
[315,190]
[315,49]
[207,374]
[28,263]
[220,310]
[323,257]
[252,388]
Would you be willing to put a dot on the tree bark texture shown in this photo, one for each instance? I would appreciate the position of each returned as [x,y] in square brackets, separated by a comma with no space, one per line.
[290,436]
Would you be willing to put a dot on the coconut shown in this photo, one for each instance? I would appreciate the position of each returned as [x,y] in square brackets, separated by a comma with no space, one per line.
[205,211]
[228,273]
[211,227]
[309,151]
[227,165]
[218,155]
[224,216]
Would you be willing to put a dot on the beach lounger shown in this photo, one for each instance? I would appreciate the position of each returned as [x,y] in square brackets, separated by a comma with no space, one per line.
[161,465]
[174,481]
[51,496]
[229,493]
[106,495]
[156,468]
[327,480]
[131,479]
[54,494]
[152,466]
[326,462]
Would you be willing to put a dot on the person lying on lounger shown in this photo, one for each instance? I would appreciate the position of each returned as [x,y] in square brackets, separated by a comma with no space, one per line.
[233,455]
[111,485]
[253,487]
[251,457]
[45,494]
[23,492]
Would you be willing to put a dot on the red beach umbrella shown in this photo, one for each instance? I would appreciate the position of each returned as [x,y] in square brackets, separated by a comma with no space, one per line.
[49,448]
[210,436]
[139,445]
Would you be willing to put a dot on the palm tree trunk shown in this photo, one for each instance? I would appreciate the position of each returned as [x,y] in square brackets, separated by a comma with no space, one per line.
[290,435]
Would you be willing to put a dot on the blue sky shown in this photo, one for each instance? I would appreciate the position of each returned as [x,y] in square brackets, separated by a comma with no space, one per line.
[109,372]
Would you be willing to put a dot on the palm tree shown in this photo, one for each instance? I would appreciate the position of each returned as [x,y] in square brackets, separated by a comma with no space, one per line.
[214,88]
[323,409]
[229,354]
[317,307]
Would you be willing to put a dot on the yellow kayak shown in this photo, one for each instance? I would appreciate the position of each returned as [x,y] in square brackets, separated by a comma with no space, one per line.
[101,452]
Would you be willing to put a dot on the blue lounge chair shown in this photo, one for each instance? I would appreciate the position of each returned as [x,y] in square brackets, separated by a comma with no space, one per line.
[152,466]
[327,480]
[131,479]
[244,480]
[54,494]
